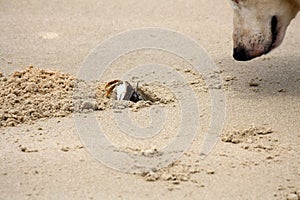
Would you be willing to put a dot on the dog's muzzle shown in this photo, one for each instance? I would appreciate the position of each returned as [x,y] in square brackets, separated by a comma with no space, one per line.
[240,53]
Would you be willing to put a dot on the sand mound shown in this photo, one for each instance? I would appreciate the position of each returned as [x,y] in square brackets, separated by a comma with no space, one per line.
[33,94]
[36,93]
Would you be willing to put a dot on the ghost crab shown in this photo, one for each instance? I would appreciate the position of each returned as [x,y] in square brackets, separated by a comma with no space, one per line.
[122,90]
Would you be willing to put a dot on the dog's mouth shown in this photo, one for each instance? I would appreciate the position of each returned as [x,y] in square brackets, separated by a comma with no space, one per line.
[274,32]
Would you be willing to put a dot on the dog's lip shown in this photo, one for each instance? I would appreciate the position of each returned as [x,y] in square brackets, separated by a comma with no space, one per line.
[274,33]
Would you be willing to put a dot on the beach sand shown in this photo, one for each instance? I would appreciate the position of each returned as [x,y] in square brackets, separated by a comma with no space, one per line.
[43,46]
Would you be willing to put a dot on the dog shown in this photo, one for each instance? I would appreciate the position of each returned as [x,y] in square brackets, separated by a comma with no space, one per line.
[259,26]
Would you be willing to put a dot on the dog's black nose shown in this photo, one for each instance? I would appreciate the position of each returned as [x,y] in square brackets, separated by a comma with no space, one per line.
[240,54]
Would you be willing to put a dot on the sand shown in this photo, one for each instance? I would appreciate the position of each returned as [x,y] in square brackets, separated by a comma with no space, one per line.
[43,46]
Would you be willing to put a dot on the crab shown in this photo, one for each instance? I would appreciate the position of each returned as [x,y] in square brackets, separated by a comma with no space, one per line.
[122,90]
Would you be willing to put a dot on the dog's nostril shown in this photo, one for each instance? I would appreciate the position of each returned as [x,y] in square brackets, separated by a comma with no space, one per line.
[239,54]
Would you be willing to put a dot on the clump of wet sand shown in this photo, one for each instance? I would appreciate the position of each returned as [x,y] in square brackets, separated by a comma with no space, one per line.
[247,135]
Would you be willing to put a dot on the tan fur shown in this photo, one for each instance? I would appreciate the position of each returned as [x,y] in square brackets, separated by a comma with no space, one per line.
[252,33]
